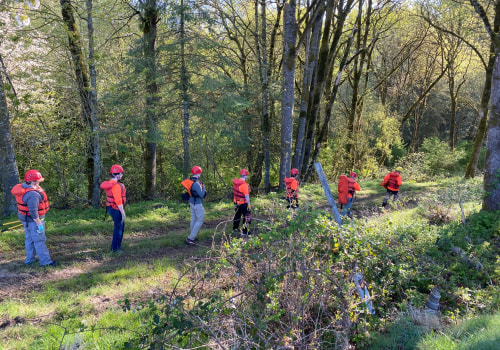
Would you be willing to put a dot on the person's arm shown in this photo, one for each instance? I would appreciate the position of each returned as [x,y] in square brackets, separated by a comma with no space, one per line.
[32,200]
[197,190]
[384,183]
[117,195]
[400,182]
[245,189]
[356,187]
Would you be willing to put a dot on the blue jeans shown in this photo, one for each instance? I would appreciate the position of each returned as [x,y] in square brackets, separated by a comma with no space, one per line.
[35,244]
[116,243]
[347,207]
[197,215]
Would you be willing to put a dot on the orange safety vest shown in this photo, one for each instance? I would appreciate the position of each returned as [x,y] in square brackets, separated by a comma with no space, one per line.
[292,187]
[350,186]
[110,200]
[19,191]
[238,196]
[188,183]
[393,181]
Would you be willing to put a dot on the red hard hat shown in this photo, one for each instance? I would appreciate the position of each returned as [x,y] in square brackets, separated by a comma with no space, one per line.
[294,171]
[33,175]
[244,172]
[116,169]
[353,174]
[196,170]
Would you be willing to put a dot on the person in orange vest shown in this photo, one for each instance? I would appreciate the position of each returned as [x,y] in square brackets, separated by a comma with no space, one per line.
[391,182]
[353,187]
[292,189]
[115,205]
[32,205]
[196,191]
[241,199]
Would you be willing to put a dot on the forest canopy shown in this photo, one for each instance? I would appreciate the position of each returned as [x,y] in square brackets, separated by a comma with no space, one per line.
[160,86]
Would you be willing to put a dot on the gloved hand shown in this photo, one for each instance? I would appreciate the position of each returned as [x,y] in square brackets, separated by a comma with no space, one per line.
[40,228]
[249,207]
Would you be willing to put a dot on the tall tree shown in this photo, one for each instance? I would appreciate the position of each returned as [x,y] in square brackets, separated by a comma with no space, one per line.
[9,175]
[149,20]
[85,92]
[94,132]
[491,199]
[288,76]
[184,90]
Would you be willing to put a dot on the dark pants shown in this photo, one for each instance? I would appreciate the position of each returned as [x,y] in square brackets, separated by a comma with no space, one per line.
[388,195]
[293,202]
[116,243]
[241,210]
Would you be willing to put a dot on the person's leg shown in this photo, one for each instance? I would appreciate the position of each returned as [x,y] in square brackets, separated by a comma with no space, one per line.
[193,217]
[117,229]
[122,230]
[29,245]
[199,214]
[39,239]
[347,208]
[246,218]
[396,196]
[237,217]
[386,198]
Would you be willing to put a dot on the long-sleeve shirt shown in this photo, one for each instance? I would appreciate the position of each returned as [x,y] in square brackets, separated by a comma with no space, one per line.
[197,193]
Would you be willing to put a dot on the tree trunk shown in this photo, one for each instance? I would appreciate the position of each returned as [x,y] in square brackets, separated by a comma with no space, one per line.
[311,61]
[82,80]
[150,20]
[471,169]
[491,200]
[328,51]
[185,97]
[288,73]
[96,144]
[9,175]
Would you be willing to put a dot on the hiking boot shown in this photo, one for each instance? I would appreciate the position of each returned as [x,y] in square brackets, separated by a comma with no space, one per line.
[52,263]
[190,242]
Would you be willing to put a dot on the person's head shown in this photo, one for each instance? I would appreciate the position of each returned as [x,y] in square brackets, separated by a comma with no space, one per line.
[353,175]
[116,172]
[244,173]
[294,172]
[398,170]
[196,171]
[33,177]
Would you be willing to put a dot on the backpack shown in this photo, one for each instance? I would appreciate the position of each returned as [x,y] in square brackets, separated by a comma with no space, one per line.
[343,188]
[187,184]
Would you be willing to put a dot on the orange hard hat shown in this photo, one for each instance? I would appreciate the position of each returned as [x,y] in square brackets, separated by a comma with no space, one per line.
[294,171]
[244,172]
[116,169]
[33,175]
[196,170]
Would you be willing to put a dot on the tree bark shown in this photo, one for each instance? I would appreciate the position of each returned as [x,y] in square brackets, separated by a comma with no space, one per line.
[471,169]
[185,96]
[9,175]
[311,61]
[95,139]
[82,81]
[150,20]
[491,200]
[288,74]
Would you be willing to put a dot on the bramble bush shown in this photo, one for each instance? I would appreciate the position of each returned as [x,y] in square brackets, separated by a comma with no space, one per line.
[291,286]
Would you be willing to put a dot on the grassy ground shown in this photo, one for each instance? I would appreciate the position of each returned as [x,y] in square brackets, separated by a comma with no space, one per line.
[80,300]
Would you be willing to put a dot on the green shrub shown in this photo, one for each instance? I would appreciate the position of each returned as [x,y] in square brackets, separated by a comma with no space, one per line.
[438,159]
